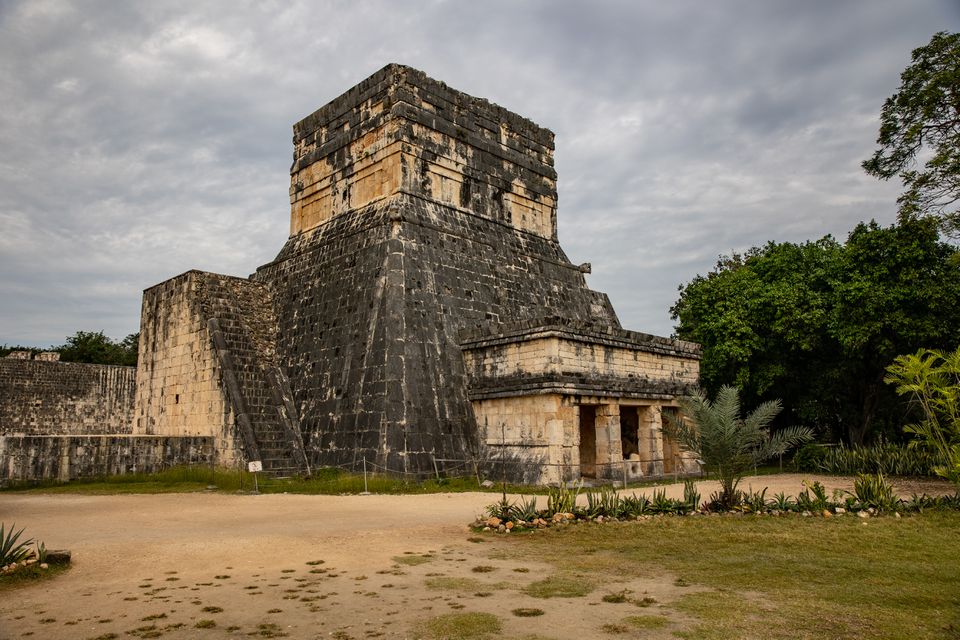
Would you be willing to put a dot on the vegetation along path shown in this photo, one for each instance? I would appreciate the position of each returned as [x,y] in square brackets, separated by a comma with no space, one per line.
[204,565]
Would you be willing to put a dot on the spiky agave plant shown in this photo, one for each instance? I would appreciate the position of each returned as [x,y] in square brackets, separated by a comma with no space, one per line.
[728,445]
[12,549]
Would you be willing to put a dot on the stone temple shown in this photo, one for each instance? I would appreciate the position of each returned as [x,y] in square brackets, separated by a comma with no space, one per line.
[422,315]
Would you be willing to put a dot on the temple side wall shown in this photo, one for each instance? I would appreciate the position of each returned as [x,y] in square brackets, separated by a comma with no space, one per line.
[179,387]
[531,430]
[41,397]
[558,355]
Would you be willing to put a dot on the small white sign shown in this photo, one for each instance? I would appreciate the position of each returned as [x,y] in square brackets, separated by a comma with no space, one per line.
[254,465]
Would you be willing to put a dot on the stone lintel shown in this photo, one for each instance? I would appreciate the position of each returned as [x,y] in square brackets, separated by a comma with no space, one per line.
[496,335]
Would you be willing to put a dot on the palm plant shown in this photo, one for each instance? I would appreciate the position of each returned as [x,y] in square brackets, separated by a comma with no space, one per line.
[932,380]
[727,445]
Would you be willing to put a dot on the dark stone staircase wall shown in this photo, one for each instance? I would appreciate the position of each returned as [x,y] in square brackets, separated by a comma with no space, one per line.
[370,306]
[243,329]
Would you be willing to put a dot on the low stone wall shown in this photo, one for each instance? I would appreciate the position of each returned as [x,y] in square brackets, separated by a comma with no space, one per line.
[30,458]
[48,397]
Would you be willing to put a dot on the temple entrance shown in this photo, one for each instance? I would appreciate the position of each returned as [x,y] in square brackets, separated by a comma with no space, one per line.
[588,440]
[630,432]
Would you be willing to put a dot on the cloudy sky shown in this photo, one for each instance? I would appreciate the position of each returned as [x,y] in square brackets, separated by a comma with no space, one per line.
[139,140]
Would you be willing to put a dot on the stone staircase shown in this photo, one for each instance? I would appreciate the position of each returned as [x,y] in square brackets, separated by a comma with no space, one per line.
[243,328]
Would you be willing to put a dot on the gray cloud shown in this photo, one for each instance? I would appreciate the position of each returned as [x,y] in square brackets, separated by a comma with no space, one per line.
[138,140]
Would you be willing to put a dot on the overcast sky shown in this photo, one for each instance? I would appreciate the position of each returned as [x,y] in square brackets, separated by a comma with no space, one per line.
[139,140]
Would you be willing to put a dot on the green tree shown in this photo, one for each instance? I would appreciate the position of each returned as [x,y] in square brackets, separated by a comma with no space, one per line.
[729,446]
[96,348]
[931,379]
[923,119]
[817,323]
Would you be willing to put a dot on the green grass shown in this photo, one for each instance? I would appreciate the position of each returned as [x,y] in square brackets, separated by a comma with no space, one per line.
[413,559]
[464,626]
[764,577]
[30,575]
[560,586]
[186,479]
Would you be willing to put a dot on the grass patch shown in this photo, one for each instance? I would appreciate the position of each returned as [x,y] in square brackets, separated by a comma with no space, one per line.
[413,560]
[444,583]
[465,626]
[185,479]
[527,612]
[483,568]
[205,624]
[616,598]
[560,586]
[805,578]
[31,574]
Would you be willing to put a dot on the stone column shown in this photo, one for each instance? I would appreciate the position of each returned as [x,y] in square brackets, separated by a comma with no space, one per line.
[609,449]
[651,441]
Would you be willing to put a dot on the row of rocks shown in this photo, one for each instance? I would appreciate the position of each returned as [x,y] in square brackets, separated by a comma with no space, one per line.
[498,525]
[17,566]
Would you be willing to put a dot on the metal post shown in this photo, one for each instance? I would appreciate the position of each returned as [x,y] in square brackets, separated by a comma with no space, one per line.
[365,491]
[256,482]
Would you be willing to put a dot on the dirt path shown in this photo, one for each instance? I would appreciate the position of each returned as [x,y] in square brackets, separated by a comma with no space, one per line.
[148,566]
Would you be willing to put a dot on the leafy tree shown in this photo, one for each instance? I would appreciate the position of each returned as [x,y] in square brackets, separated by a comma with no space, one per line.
[932,380]
[729,446]
[94,347]
[923,119]
[817,323]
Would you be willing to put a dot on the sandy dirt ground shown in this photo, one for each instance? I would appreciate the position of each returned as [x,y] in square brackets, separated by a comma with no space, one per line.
[291,566]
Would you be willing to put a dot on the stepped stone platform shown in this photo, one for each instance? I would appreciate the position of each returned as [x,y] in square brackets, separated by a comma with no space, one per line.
[421,311]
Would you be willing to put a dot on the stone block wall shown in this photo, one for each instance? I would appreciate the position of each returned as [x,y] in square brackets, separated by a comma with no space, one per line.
[179,388]
[400,131]
[57,457]
[50,397]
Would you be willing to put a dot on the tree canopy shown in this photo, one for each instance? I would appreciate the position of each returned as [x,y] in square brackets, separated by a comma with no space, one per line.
[922,119]
[817,323]
[94,347]
[91,347]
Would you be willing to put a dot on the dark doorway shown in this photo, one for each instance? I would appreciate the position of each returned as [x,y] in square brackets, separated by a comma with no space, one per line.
[629,431]
[588,440]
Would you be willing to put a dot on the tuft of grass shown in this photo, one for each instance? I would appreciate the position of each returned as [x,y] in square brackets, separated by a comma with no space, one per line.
[156,616]
[413,560]
[613,628]
[483,568]
[464,626]
[444,583]
[560,586]
[205,624]
[527,612]
[212,609]
[618,597]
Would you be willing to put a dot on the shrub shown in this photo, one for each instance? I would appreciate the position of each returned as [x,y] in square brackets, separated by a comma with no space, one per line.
[881,457]
[874,491]
[932,381]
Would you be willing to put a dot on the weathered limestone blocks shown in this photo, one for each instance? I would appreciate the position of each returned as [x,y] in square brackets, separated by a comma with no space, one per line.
[69,457]
[402,132]
[49,397]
